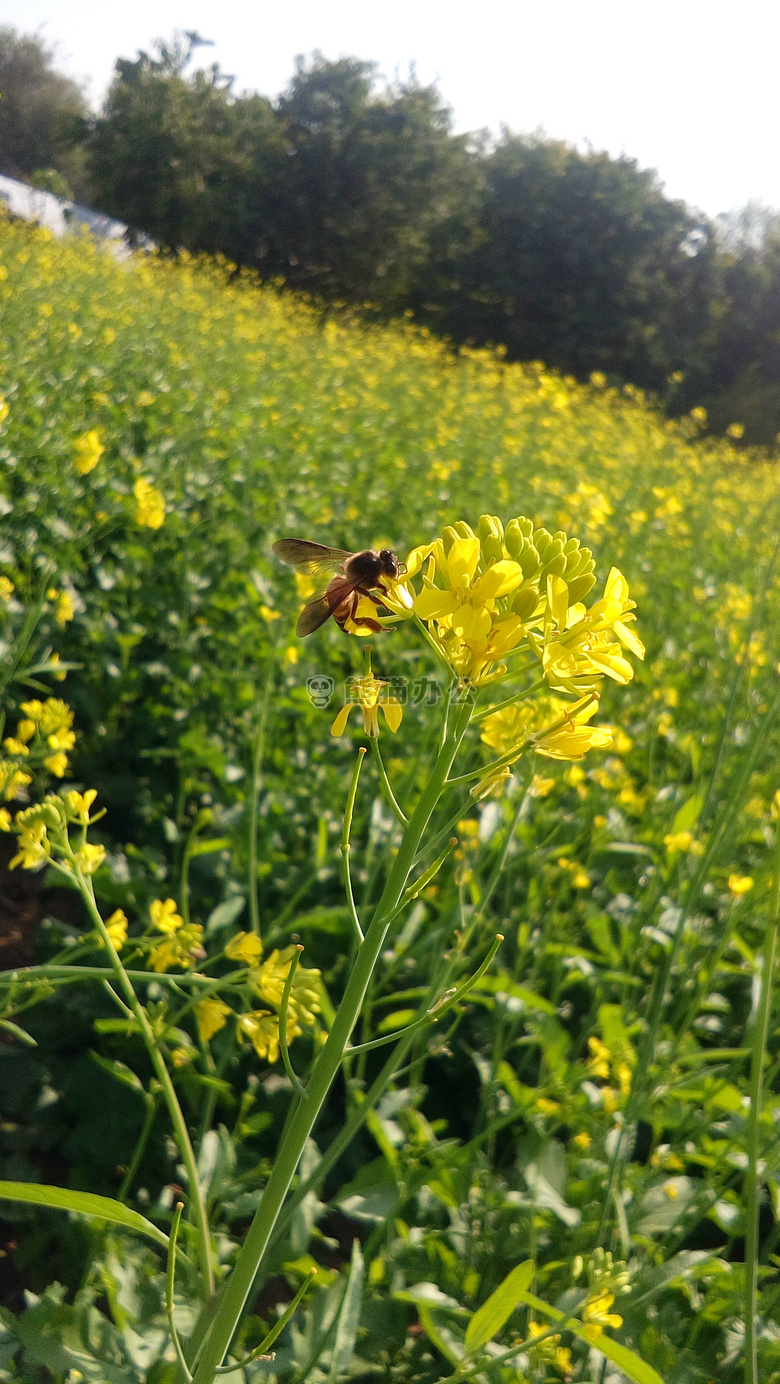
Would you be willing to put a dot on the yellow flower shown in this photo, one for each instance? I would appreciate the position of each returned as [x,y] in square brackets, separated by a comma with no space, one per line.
[367,693]
[596,1315]
[78,804]
[245,946]
[33,843]
[150,512]
[598,1062]
[88,450]
[573,737]
[164,917]
[676,841]
[268,982]
[473,632]
[547,1107]
[89,858]
[64,609]
[12,746]
[12,779]
[182,948]
[3,409]
[740,884]
[6,586]
[583,1141]
[5,819]
[210,1015]
[262,1029]
[56,764]
[116,927]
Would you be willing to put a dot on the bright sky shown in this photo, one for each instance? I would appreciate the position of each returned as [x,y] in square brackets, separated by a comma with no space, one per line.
[688,87]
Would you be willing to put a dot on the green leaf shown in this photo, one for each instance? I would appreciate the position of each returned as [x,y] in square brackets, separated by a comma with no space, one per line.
[349,1317]
[444,1340]
[84,1204]
[224,914]
[119,1071]
[503,984]
[398,1019]
[688,814]
[495,1313]
[631,1365]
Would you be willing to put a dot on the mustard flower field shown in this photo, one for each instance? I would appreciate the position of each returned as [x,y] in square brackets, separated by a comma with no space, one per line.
[549,1148]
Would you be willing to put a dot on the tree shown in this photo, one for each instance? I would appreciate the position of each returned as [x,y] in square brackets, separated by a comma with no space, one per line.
[579,260]
[371,176]
[42,113]
[179,157]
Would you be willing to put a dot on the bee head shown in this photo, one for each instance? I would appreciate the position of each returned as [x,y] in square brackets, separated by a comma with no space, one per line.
[390,564]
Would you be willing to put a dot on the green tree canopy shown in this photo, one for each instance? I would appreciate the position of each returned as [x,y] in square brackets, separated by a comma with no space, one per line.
[578,260]
[42,112]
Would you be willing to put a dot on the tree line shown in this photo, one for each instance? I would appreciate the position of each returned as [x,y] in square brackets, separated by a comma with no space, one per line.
[361,194]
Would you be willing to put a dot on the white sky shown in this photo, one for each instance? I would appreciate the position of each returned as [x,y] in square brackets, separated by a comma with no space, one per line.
[689,87]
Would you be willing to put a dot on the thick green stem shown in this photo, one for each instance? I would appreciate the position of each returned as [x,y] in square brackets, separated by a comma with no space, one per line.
[324,1072]
[753,1177]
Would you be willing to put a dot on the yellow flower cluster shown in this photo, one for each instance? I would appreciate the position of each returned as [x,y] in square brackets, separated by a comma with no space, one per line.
[487,594]
[183,944]
[267,981]
[43,834]
[41,740]
[87,451]
[150,505]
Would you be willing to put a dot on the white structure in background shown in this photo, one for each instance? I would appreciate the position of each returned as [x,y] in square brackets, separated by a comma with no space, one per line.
[30,204]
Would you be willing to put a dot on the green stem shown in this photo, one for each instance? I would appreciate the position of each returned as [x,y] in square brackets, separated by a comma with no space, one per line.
[398,811]
[164,1077]
[754,1178]
[324,1072]
[437,1011]
[509,701]
[170,1278]
[345,834]
[298,1087]
[140,1147]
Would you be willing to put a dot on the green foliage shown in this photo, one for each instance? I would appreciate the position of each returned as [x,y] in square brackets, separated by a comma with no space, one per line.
[499,1137]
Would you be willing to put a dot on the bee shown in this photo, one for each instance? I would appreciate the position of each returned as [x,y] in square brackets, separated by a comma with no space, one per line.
[355,575]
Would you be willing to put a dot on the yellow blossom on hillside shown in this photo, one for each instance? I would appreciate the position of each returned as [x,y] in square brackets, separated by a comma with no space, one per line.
[740,884]
[88,449]
[150,511]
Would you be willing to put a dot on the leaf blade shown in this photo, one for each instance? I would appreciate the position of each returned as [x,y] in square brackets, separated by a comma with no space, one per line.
[489,1319]
[84,1204]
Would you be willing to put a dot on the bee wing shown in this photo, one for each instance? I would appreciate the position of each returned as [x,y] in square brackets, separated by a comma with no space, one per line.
[310,557]
[319,608]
